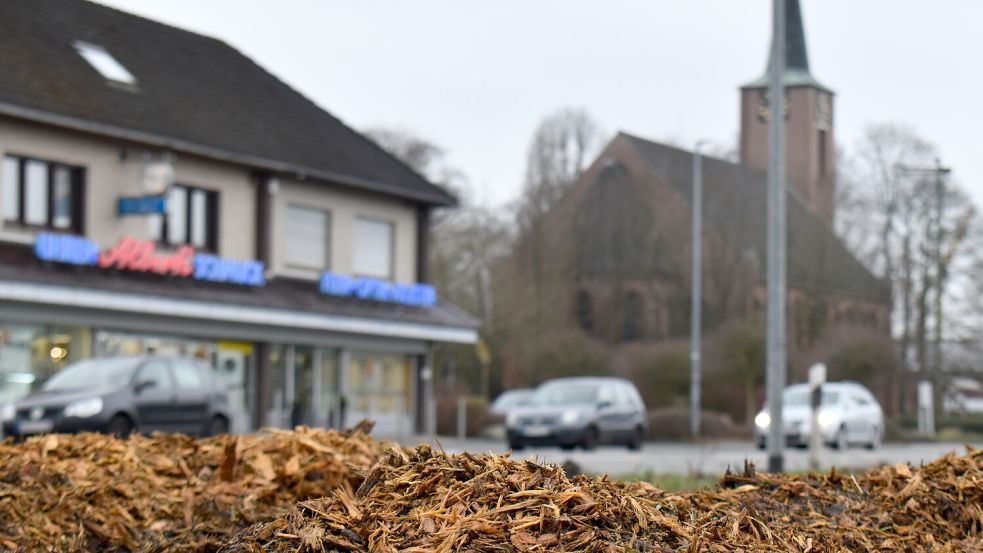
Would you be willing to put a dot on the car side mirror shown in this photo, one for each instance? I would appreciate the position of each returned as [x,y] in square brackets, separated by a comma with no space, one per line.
[143,385]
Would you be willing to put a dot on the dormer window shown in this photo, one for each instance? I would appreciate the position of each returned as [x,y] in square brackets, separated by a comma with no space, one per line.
[104,62]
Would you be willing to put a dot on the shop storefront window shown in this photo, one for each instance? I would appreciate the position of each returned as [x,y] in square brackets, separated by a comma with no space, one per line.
[275,390]
[30,354]
[379,389]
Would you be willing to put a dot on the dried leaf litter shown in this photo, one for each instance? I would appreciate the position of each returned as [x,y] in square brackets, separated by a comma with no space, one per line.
[320,490]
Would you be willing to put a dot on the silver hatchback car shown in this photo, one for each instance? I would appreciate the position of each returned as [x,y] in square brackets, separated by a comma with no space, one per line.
[848,415]
[584,411]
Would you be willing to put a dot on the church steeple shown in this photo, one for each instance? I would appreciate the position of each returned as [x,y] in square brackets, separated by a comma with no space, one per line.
[796,55]
[809,123]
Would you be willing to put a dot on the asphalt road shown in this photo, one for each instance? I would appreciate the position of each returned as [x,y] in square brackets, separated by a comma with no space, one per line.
[707,458]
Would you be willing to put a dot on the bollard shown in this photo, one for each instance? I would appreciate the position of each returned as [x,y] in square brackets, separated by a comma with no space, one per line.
[462,418]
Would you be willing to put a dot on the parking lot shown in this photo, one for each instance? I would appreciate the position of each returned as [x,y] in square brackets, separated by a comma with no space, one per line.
[706,458]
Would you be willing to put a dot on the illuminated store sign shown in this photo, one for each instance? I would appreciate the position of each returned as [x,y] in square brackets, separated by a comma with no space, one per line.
[422,295]
[131,254]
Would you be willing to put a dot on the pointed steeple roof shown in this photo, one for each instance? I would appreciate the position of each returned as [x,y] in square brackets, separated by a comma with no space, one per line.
[796,55]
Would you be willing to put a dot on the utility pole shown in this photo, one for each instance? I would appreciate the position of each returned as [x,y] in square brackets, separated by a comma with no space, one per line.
[696,294]
[939,172]
[776,240]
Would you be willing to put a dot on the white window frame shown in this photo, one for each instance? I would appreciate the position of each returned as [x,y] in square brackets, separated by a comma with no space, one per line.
[328,221]
[390,275]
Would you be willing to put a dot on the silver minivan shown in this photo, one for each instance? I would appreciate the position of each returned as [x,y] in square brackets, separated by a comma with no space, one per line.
[584,411]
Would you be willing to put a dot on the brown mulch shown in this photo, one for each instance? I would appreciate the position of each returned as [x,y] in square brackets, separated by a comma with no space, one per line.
[422,501]
[320,490]
[91,492]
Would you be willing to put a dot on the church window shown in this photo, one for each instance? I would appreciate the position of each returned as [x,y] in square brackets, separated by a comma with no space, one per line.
[585,311]
[631,329]
[822,153]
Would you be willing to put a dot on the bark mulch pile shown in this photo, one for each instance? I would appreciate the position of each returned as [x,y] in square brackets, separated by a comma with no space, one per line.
[319,490]
[91,492]
[422,501]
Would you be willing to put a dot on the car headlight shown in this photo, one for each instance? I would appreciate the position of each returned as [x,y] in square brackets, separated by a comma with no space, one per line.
[8,412]
[826,419]
[84,408]
[763,420]
[571,417]
[512,419]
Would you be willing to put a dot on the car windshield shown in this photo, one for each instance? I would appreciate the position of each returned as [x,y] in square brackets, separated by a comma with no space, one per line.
[512,398]
[93,373]
[565,394]
[800,397]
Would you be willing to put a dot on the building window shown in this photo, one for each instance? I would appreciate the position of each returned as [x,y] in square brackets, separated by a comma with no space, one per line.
[307,238]
[585,311]
[192,218]
[42,193]
[631,329]
[822,154]
[373,248]
[104,62]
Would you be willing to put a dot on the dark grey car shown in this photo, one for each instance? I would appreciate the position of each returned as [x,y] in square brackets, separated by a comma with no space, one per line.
[585,411]
[120,395]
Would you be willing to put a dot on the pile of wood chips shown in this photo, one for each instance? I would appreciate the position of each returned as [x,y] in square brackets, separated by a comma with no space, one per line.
[91,492]
[422,501]
[313,490]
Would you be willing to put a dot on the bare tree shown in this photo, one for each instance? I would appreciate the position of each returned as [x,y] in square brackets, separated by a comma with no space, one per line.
[562,146]
[907,228]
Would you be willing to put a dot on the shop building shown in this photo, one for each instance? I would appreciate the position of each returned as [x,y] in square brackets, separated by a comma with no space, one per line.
[159,191]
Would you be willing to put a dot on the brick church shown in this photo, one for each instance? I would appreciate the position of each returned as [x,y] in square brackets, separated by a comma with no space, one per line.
[620,239]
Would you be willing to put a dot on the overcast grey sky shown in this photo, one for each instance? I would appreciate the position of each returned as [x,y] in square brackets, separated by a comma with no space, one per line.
[476,77]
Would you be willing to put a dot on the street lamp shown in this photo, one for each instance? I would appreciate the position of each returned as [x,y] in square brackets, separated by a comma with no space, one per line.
[939,172]
[695,292]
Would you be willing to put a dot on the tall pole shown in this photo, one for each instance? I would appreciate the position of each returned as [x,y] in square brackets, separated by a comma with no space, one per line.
[939,285]
[695,294]
[934,369]
[776,240]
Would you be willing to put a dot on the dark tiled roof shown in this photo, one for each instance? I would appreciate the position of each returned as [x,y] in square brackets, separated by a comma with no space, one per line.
[19,264]
[735,208]
[193,93]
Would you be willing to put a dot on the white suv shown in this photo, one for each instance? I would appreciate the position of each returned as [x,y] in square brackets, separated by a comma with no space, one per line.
[848,414]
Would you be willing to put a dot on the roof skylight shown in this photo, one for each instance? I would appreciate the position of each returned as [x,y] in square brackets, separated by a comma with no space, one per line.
[104,62]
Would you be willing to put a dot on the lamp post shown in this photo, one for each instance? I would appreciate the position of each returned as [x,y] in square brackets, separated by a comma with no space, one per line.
[939,173]
[695,293]
[775,370]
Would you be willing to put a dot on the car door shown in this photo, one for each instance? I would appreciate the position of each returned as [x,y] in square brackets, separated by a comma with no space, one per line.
[857,425]
[192,396]
[607,413]
[867,415]
[624,412]
[154,397]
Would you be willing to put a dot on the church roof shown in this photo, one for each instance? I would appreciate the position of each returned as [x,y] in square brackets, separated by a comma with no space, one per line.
[735,208]
[796,55]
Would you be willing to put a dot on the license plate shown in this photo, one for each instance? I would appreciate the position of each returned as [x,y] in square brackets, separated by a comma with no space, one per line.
[34,427]
[537,431]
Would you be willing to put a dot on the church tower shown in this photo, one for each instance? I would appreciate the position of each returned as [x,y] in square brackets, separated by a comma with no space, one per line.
[810,161]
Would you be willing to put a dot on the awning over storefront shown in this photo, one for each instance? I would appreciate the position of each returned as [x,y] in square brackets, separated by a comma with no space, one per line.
[283,307]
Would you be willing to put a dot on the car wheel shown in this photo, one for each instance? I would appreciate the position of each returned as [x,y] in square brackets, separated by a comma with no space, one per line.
[120,426]
[567,447]
[875,439]
[516,445]
[589,441]
[218,425]
[840,442]
[637,439]
[762,444]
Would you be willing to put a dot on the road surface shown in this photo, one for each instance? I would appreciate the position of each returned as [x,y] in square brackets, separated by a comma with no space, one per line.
[710,458]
